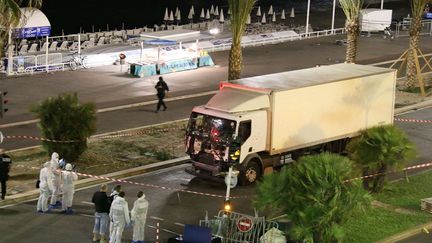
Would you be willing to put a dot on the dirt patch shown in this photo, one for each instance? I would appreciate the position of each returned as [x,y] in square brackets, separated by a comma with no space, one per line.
[105,154]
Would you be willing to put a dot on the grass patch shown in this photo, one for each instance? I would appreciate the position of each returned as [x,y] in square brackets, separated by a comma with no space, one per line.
[378,223]
[408,194]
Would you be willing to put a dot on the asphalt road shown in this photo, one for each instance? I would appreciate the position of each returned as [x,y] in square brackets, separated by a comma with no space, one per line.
[20,223]
[107,87]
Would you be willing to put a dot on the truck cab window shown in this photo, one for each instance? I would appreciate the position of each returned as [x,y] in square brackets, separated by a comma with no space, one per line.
[244,130]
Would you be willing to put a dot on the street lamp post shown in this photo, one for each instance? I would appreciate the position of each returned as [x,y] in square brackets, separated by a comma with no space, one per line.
[333,16]
[307,17]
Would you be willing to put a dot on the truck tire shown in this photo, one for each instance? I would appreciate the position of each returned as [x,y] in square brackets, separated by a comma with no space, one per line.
[250,174]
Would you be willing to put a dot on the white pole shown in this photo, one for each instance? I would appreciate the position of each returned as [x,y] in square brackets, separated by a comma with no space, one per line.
[46,55]
[142,47]
[10,54]
[333,16]
[158,55]
[79,44]
[196,51]
[307,17]
[382,4]
[228,190]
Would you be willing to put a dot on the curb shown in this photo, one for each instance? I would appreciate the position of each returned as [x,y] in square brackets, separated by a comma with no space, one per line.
[33,194]
[416,106]
[406,234]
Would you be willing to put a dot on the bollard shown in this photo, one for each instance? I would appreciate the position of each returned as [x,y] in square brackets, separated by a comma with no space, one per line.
[157,232]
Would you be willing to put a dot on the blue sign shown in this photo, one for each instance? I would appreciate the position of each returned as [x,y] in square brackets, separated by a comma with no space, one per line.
[159,42]
[429,15]
[33,32]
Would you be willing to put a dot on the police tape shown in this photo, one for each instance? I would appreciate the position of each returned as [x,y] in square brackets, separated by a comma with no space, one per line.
[391,172]
[144,132]
[412,120]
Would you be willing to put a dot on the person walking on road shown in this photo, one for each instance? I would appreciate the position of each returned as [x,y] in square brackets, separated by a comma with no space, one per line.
[102,209]
[138,217]
[119,215]
[161,88]
[68,177]
[55,181]
[5,162]
[44,181]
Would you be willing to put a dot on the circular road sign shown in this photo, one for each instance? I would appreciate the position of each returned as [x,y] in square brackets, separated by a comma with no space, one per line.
[244,224]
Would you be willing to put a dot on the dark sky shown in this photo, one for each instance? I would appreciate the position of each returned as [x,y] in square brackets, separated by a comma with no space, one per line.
[71,15]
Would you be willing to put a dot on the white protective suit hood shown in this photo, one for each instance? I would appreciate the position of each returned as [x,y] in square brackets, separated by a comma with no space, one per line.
[55,157]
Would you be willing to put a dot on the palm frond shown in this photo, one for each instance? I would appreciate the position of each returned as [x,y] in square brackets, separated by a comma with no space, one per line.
[351,8]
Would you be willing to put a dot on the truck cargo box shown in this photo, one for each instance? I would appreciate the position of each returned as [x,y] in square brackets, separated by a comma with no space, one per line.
[315,105]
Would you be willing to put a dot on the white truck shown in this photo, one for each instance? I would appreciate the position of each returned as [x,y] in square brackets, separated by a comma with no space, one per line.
[264,122]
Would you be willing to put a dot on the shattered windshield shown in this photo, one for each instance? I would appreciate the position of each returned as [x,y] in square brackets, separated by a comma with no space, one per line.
[218,129]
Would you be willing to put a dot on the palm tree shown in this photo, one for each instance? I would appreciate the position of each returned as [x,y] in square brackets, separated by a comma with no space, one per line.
[10,15]
[351,9]
[377,150]
[314,196]
[417,7]
[64,118]
[240,10]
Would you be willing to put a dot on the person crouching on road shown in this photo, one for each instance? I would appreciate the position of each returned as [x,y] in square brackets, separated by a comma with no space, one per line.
[102,209]
[55,181]
[44,181]
[138,217]
[119,215]
[68,178]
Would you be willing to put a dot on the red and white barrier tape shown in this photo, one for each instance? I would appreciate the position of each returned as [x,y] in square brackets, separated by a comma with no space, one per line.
[412,120]
[145,132]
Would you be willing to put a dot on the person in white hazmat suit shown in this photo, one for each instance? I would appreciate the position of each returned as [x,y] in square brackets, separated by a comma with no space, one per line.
[138,217]
[68,178]
[119,216]
[44,181]
[55,181]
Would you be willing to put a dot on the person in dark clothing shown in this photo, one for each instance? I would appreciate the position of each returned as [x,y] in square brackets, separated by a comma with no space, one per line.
[161,88]
[102,209]
[5,162]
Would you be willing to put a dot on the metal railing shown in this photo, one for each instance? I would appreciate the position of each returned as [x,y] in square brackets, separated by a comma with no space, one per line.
[35,63]
[402,28]
[279,39]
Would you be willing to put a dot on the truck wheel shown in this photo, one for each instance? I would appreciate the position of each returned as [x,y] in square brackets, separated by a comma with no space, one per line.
[250,174]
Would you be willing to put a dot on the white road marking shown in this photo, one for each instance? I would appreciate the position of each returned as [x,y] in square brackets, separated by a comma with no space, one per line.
[86,215]
[162,229]
[157,218]
[179,224]
[88,203]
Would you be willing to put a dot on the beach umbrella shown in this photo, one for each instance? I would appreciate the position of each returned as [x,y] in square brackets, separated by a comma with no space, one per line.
[190,15]
[202,13]
[212,9]
[259,11]
[292,15]
[270,12]
[176,12]
[171,18]
[207,14]
[274,17]
[221,17]
[192,10]
[263,20]
[179,16]
[283,14]
[166,16]
[216,11]
[248,20]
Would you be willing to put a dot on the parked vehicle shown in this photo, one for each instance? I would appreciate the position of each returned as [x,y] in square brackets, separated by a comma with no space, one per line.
[265,122]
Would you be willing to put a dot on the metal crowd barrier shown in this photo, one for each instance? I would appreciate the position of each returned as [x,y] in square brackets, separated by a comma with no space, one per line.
[228,227]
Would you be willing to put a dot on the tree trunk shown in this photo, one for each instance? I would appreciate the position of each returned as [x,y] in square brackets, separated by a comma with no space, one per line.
[413,45]
[235,61]
[366,180]
[352,29]
[378,183]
